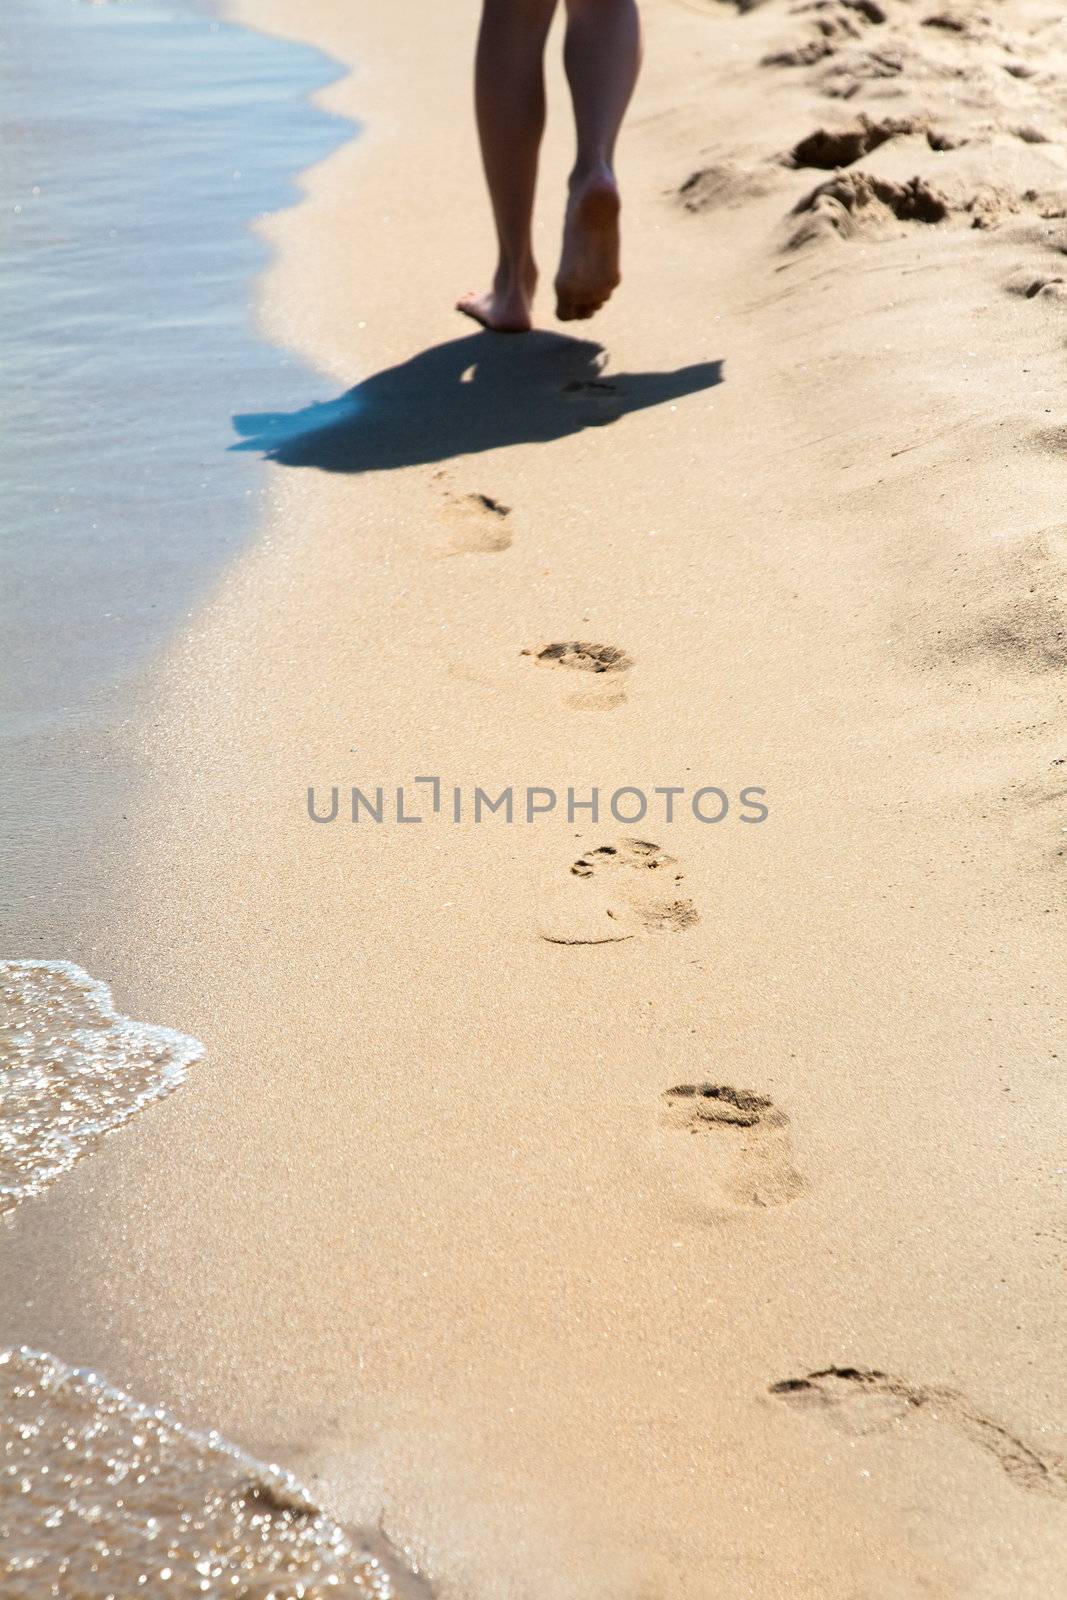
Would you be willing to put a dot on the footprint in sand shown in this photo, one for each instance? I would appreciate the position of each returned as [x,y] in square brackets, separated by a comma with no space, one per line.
[859,205]
[1010,607]
[617,892]
[750,1135]
[831,148]
[604,661]
[834,25]
[479,525]
[861,1400]
[723,185]
[1029,284]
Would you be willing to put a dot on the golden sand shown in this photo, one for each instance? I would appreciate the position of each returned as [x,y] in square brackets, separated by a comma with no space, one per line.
[722,1259]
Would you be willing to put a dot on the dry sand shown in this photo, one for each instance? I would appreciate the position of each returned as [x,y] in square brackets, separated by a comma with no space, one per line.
[427,1225]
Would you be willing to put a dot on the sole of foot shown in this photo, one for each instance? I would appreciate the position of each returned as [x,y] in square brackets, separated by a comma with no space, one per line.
[589,269]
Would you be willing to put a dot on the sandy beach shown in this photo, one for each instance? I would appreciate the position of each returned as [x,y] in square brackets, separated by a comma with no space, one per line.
[661,1210]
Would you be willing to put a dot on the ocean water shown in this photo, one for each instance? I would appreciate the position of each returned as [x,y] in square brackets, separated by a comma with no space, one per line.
[139,142]
[102,1498]
[141,139]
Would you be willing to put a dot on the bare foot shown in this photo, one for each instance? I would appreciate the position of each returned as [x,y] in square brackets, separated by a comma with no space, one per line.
[506,307]
[589,267]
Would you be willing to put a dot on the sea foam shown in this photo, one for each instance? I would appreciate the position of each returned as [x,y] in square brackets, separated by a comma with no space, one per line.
[71,1070]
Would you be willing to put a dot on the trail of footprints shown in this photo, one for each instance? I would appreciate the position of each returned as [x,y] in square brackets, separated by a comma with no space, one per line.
[948,95]
[635,889]
[631,888]
[977,107]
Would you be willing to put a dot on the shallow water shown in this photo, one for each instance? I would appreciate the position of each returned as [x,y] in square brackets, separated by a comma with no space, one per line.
[71,1070]
[102,1498]
[141,139]
[138,142]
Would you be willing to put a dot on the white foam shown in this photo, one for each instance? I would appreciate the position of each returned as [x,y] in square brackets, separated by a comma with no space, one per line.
[71,1070]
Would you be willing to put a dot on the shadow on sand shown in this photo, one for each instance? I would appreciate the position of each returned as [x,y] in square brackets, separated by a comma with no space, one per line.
[471,394]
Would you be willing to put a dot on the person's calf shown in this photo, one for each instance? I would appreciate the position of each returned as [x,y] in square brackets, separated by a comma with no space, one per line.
[510,102]
[602,55]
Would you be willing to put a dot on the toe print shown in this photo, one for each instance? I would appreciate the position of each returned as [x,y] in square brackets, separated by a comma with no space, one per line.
[752,1151]
[582,657]
[605,664]
[638,853]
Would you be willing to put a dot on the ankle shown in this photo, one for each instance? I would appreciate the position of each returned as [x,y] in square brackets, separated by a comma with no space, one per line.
[515,276]
[587,173]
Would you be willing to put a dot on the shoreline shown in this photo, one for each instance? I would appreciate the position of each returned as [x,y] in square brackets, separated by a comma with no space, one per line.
[126,287]
[654,1269]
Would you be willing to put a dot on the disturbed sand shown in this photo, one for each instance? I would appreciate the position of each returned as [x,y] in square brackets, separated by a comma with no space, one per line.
[722,1258]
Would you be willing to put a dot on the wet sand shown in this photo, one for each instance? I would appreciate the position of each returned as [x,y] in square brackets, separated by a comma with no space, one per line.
[721,1258]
